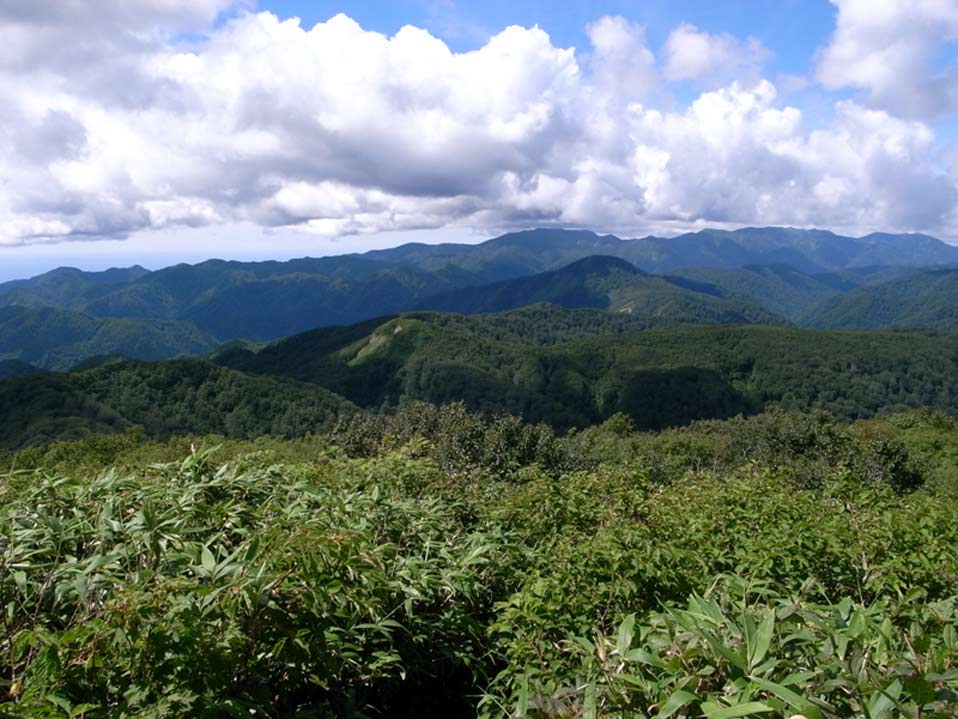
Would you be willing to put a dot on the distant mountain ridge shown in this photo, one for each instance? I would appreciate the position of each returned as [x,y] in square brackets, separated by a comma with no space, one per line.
[707,276]
[810,251]
[608,283]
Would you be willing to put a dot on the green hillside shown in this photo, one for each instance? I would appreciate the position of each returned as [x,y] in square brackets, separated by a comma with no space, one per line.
[67,286]
[611,284]
[176,397]
[568,368]
[270,300]
[778,288]
[16,368]
[661,377]
[59,339]
[926,299]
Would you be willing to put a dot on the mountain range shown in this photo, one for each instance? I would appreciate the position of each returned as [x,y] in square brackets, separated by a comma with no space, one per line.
[778,276]
[567,368]
[608,283]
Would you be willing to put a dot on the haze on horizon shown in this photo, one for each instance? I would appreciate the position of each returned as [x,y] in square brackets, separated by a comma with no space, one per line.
[156,131]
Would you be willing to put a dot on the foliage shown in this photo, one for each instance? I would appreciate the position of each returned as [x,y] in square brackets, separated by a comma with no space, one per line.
[742,649]
[58,339]
[16,368]
[920,299]
[438,563]
[456,439]
[288,592]
[661,377]
[175,397]
[806,447]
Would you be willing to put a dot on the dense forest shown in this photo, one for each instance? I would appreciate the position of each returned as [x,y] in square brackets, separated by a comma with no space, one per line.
[59,339]
[567,368]
[160,399]
[438,563]
[660,377]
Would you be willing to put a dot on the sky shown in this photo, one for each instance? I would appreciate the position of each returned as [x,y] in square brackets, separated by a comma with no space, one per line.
[159,131]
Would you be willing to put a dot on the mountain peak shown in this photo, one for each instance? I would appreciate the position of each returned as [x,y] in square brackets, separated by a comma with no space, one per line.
[599,264]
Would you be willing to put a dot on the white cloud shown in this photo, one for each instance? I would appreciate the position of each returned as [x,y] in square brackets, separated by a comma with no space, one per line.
[622,63]
[692,54]
[889,48]
[335,130]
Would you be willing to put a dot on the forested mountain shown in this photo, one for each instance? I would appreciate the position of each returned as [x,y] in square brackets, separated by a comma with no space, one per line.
[542,323]
[568,368]
[16,368]
[175,397]
[259,300]
[67,286]
[660,377]
[809,251]
[778,288]
[608,283]
[921,299]
[59,339]
[269,300]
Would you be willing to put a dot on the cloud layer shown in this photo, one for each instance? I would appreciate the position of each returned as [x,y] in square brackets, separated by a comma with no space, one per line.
[113,124]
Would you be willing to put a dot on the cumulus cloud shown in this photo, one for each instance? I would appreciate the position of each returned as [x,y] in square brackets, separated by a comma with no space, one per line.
[889,49]
[692,54]
[335,130]
[622,62]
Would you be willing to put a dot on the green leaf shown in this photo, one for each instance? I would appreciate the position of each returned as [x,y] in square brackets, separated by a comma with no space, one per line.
[920,690]
[793,699]
[738,710]
[20,578]
[624,639]
[208,560]
[679,699]
[644,656]
[883,701]
[589,702]
[522,701]
[763,639]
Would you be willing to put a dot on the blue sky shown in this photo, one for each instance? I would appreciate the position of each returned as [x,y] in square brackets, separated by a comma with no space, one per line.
[793,29]
[157,131]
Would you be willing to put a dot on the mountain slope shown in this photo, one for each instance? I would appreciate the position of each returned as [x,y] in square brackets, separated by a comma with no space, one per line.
[927,299]
[163,398]
[660,377]
[67,286]
[778,288]
[16,368]
[610,283]
[268,300]
[58,339]
[810,251]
